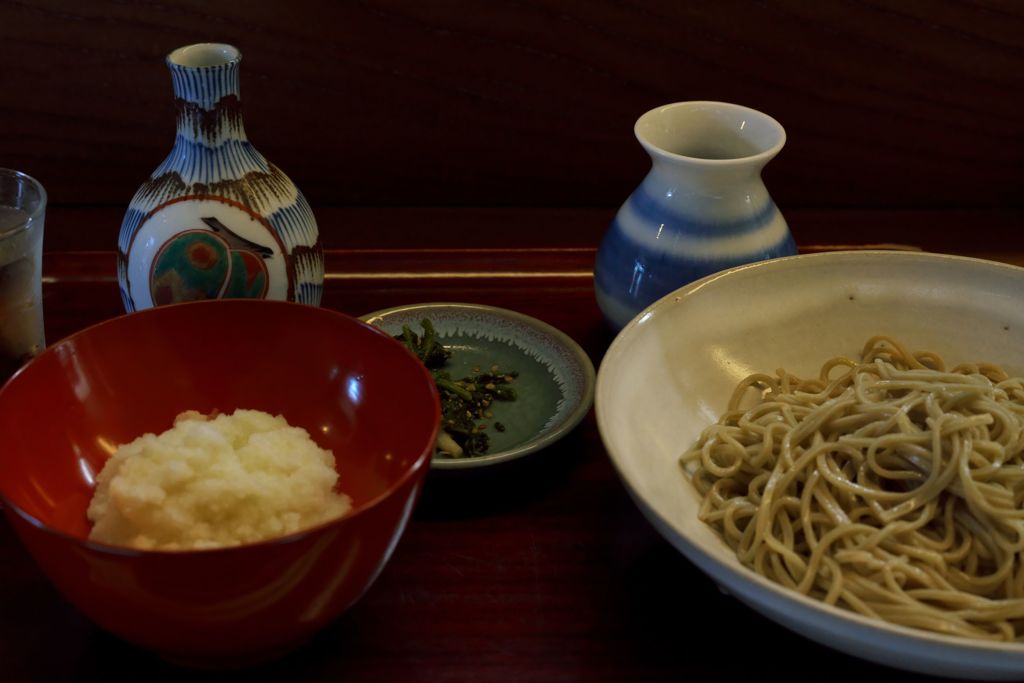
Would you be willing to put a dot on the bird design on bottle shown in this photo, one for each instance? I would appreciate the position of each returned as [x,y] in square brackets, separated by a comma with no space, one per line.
[214,263]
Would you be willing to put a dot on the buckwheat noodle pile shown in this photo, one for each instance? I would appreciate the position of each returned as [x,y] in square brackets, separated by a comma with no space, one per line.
[891,486]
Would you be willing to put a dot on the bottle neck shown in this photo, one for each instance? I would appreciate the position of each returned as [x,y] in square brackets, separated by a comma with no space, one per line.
[208,103]
[701,178]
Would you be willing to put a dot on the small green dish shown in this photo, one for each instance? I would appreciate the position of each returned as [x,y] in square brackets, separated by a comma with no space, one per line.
[555,385]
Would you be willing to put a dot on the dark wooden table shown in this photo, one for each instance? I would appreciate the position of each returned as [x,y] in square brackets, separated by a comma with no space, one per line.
[542,571]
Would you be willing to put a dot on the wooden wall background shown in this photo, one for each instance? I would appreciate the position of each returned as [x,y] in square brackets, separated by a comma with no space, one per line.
[888,104]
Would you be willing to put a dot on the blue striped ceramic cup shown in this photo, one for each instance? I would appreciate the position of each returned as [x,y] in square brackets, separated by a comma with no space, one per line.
[702,207]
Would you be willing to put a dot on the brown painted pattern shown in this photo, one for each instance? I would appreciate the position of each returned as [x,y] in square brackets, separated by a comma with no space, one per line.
[255,190]
[208,122]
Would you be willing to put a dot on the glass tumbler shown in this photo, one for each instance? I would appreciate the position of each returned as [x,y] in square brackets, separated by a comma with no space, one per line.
[22,210]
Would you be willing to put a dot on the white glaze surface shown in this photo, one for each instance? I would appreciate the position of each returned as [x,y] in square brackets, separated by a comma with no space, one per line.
[670,371]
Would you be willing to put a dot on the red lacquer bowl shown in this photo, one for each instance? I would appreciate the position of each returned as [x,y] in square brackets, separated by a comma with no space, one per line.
[355,390]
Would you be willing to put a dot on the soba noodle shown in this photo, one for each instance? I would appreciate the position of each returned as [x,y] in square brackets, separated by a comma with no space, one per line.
[892,487]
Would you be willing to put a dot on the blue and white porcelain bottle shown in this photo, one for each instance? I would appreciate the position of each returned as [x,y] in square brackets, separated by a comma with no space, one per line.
[702,207]
[216,219]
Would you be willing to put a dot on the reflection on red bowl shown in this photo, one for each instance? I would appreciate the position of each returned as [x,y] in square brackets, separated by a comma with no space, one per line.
[356,391]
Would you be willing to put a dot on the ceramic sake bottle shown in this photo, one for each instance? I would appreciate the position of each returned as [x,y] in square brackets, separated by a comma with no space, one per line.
[702,207]
[216,219]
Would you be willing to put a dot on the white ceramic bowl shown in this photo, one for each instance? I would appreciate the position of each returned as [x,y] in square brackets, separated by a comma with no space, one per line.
[670,371]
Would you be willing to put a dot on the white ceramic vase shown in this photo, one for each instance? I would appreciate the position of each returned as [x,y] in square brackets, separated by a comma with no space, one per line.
[702,207]
[216,219]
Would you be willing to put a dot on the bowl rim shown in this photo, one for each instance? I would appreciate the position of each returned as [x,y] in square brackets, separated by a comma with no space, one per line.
[694,550]
[536,443]
[411,472]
